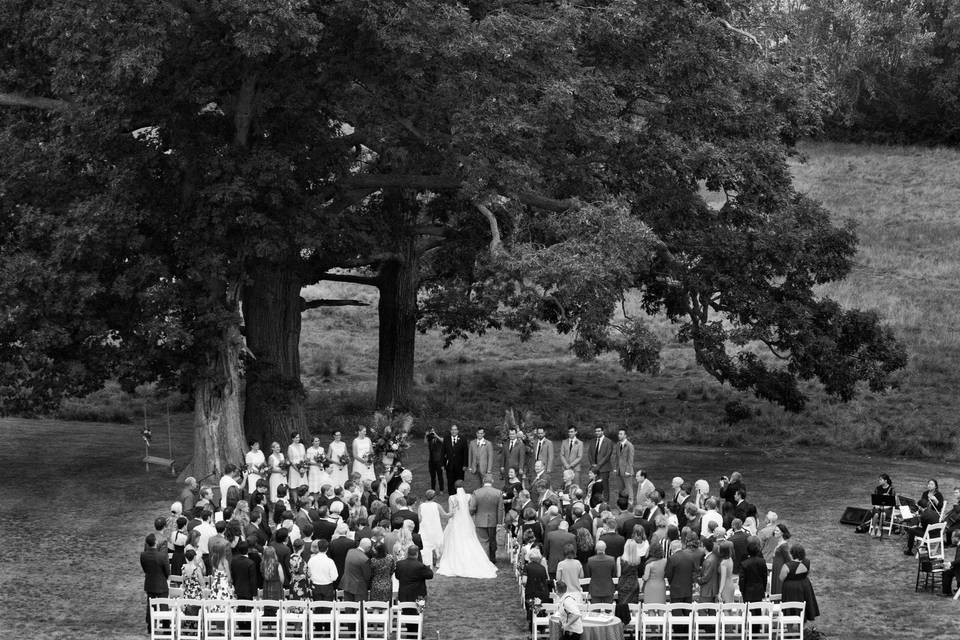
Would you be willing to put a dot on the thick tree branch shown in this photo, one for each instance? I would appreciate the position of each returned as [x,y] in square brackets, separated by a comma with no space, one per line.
[330,302]
[34,102]
[496,244]
[743,33]
[372,281]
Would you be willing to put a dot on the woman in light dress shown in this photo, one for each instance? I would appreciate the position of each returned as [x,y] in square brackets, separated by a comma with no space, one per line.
[727,587]
[277,474]
[296,454]
[363,448]
[431,529]
[463,555]
[317,476]
[337,454]
[254,460]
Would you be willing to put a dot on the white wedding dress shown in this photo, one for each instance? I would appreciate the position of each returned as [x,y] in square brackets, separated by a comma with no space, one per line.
[463,556]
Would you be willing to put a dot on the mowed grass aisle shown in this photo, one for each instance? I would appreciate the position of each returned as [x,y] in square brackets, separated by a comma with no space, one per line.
[76,504]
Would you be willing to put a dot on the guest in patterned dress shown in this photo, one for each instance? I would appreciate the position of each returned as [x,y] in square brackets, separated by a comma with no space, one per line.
[382,565]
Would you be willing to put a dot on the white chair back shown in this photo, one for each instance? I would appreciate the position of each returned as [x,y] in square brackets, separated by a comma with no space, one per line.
[601,607]
[347,623]
[243,618]
[216,620]
[407,621]
[681,620]
[269,617]
[376,620]
[760,617]
[933,540]
[733,620]
[540,624]
[294,620]
[654,621]
[706,620]
[163,618]
[189,619]
[321,621]
[791,619]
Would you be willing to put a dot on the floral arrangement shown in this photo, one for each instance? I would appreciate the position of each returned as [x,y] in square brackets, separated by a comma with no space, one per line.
[147,435]
[421,604]
[319,458]
[536,606]
[302,466]
[390,434]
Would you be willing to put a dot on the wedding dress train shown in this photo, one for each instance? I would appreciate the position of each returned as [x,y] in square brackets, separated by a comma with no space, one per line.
[463,556]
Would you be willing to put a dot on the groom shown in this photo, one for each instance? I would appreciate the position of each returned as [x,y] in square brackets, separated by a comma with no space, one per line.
[486,505]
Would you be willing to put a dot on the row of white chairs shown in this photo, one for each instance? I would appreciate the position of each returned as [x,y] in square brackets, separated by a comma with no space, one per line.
[187,619]
[695,621]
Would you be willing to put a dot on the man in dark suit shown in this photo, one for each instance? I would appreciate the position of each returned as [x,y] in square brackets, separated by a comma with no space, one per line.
[435,459]
[156,570]
[599,451]
[355,581]
[339,547]
[753,573]
[743,509]
[279,544]
[683,569]
[601,569]
[412,576]
[324,526]
[581,519]
[739,539]
[554,544]
[614,541]
[243,571]
[455,457]
[404,513]
[626,527]
[514,455]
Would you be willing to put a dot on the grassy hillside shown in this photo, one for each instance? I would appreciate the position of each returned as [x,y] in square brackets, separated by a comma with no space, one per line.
[903,201]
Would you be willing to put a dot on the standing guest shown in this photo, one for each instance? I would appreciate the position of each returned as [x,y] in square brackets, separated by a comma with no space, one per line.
[537,586]
[599,455]
[595,490]
[710,515]
[571,456]
[255,462]
[299,585]
[631,567]
[193,575]
[337,454]
[362,451]
[550,520]
[404,513]
[709,572]
[768,541]
[555,545]
[206,501]
[229,481]
[795,581]
[382,565]
[273,574]
[738,538]
[179,541]
[570,570]
[644,488]
[726,587]
[355,580]
[601,569]
[743,509]
[514,455]
[206,532]
[276,463]
[571,620]
[683,569]
[296,455]
[221,586]
[282,548]
[701,491]
[480,458]
[431,529]
[539,482]
[322,572]
[654,586]
[412,576]
[781,556]
[188,496]
[156,570]
[455,455]
[614,541]
[622,472]
[694,521]
[753,573]
[317,476]
[531,523]
[244,572]
[542,452]
[435,459]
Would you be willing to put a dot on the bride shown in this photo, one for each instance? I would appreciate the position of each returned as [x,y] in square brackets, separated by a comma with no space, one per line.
[462,554]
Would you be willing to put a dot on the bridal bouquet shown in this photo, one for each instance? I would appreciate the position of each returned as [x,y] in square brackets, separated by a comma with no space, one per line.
[390,433]
[302,466]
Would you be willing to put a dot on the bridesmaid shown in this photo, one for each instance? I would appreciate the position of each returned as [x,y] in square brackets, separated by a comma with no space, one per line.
[337,453]
[254,460]
[277,474]
[317,476]
[296,454]
[363,448]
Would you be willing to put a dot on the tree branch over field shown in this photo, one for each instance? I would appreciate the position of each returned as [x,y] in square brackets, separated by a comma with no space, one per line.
[330,302]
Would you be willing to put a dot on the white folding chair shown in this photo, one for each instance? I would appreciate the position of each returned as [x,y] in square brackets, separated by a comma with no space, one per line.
[632,630]
[243,617]
[733,620]
[540,624]
[376,620]
[585,588]
[322,620]
[791,619]
[347,623]
[216,619]
[760,617]
[189,619]
[654,620]
[681,620]
[175,592]
[163,618]
[933,540]
[175,582]
[602,607]
[294,620]
[706,620]
[408,621]
[269,619]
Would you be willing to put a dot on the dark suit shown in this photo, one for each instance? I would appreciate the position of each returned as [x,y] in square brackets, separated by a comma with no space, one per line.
[156,570]
[709,577]
[412,576]
[626,529]
[455,457]
[615,543]
[514,457]
[244,574]
[435,461]
[682,570]
[601,570]
[323,529]
[555,542]
[951,573]
[337,552]
[739,540]
[283,557]
[600,462]
[753,579]
[356,576]
[396,520]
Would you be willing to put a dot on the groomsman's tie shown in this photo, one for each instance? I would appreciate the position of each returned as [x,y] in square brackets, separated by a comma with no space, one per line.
[539,444]
[599,440]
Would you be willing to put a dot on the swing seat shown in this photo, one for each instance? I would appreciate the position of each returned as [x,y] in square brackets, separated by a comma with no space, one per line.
[164,462]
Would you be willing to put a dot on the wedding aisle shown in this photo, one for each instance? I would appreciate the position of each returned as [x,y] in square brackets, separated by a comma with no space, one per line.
[463,609]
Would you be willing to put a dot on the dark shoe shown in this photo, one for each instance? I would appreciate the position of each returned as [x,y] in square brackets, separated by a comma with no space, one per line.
[907,552]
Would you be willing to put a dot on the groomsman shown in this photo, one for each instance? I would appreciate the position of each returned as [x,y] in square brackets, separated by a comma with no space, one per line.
[623,464]
[571,453]
[481,456]
[542,452]
[598,455]
[514,455]
[455,455]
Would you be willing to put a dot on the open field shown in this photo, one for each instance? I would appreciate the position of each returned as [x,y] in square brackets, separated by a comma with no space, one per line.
[77,503]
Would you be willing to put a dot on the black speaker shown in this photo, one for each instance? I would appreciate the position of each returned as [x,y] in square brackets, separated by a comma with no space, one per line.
[855,516]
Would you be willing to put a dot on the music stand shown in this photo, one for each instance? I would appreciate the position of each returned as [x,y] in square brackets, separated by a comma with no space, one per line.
[882,502]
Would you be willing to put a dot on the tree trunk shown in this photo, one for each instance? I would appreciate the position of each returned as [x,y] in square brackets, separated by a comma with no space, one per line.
[398,328]
[274,393]
[218,424]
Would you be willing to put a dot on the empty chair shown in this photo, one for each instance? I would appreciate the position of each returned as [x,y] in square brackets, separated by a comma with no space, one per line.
[269,614]
[760,619]
[585,588]
[408,621]
[189,619]
[932,540]
[294,620]
[347,623]
[216,620]
[631,631]
[321,621]
[681,620]
[602,607]
[654,620]
[376,620]
[243,616]
[706,620]
[733,620]
[163,618]
[790,621]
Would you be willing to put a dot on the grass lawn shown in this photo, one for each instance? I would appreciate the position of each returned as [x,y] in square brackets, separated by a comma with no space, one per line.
[76,504]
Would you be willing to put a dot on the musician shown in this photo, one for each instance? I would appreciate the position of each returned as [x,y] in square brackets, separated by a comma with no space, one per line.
[953,570]
[952,516]
[885,488]
[930,504]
